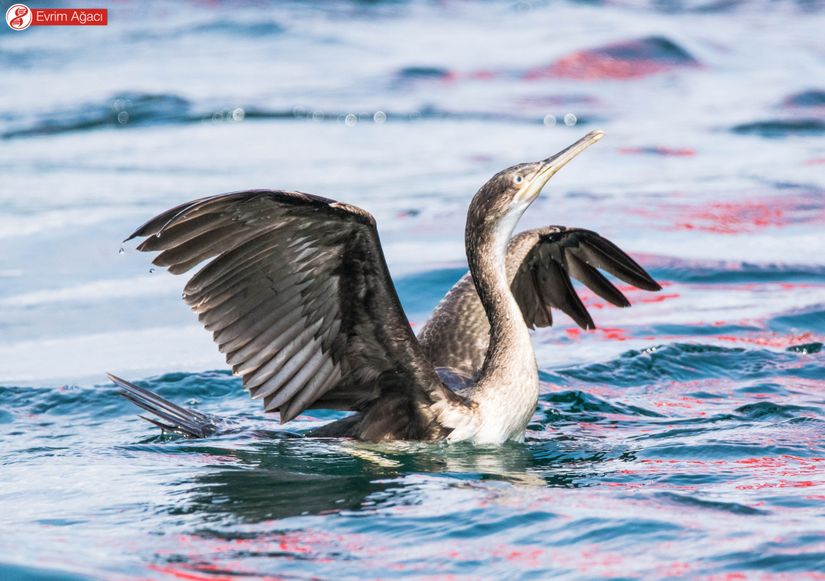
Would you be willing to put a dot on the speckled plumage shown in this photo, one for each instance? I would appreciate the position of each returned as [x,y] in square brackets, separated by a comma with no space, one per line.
[456,335]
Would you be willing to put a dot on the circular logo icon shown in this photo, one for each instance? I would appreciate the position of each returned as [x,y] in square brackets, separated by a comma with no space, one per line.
[19,16]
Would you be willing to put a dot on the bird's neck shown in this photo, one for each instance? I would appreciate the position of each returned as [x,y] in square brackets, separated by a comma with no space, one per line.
[508,382]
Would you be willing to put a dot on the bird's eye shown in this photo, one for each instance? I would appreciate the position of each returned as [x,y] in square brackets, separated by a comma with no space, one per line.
[518,179]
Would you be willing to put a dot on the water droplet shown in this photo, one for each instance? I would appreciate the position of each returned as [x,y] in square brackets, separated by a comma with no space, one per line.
[151,271]
[238,114]
[123,117]
[379,117]
[550,120]
[317,116]
[351,119]
[122,250]
[570,119]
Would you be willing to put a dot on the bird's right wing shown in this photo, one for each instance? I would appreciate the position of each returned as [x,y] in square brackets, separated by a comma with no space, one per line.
[298,297]
[541,264]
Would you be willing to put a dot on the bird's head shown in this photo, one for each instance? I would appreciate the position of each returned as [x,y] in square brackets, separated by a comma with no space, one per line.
[504,198]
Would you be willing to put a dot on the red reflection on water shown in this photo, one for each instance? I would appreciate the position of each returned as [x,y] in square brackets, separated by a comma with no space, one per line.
[738,217]
[630,59]
[590,65]
[613,333]
[658,150]
[732,217]
[609,333]
[659,298]
[178,572]
[771,339]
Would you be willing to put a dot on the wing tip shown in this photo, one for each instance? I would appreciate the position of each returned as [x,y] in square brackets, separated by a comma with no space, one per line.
[588,324]
[131,236]
[285,416]
[115,379]
[146,229]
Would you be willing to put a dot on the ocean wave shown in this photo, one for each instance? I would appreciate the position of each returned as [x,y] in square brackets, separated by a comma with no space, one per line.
[134,110]
[619,61]
[685,362]
[732,272]
[776,128]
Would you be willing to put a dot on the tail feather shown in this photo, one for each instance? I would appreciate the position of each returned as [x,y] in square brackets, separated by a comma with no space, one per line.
[168,416]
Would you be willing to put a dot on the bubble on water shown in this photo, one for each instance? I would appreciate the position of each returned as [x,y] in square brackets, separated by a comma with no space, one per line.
[570,119]
[318,116]
[549,120]
[217,116]
[238,114]
[351,119]
[118,105]
[123,117]
[379,117]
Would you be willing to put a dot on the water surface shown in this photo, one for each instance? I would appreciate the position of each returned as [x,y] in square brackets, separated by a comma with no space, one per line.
[682,439]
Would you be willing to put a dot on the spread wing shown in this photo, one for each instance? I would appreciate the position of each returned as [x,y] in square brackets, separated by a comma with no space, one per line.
[541,264]
[298,297]
[553,256]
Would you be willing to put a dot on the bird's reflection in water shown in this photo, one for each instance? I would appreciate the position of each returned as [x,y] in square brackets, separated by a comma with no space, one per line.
[510,462]
[282,477]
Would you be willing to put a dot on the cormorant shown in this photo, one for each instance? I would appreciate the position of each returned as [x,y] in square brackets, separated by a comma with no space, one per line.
[298,297]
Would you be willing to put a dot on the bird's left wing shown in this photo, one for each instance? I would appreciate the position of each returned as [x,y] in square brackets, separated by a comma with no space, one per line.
[552,256]
[298,297]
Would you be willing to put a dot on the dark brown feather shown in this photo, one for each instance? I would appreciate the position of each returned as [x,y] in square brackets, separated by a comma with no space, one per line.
[594,280]
[298,296]
[558,291]
[561,253]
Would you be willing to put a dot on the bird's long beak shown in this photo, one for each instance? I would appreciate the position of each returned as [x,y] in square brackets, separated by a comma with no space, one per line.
[547,168]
